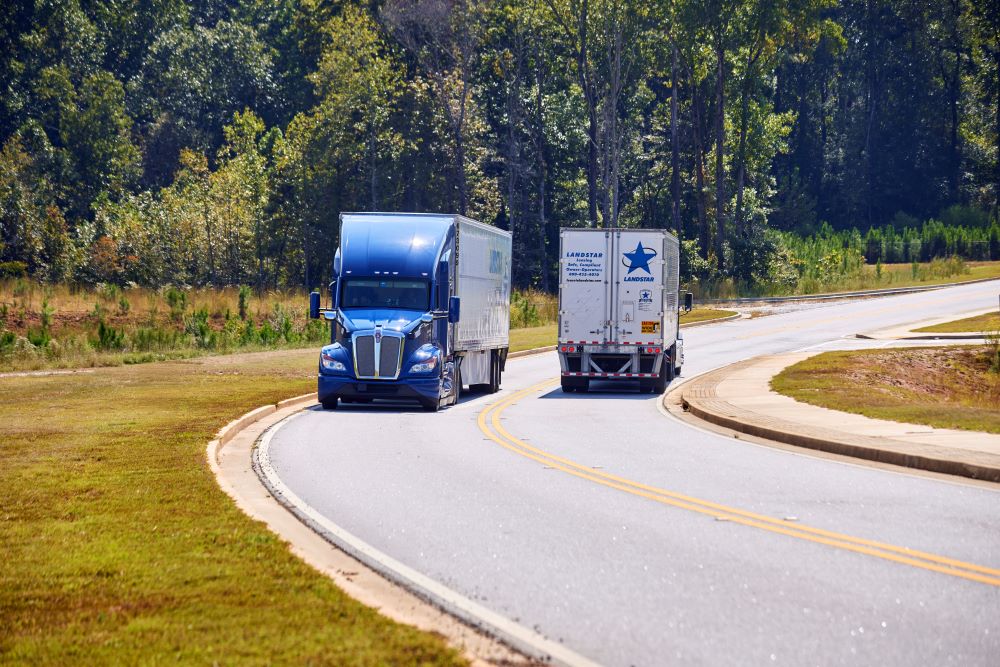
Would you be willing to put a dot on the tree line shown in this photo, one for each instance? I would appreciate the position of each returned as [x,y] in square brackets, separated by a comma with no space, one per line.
[215,142]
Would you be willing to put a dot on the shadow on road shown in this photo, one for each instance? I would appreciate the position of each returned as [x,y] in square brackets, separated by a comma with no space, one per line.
[617,390]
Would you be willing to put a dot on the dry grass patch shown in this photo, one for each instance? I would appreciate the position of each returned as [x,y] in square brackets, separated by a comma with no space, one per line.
[979,323]
[119,547]
[944,387]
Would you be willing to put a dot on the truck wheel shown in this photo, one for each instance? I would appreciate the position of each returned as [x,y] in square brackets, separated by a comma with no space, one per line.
[430,406]
[666,374]
[330,403]
[494,372]
[567,386]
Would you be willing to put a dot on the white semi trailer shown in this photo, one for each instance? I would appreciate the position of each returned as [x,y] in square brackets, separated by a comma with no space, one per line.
[618,307]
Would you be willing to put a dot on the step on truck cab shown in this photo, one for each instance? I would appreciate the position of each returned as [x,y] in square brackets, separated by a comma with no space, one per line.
[618,308]
[419,305]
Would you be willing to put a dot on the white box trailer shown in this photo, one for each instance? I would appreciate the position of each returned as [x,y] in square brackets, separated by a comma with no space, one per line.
[619,307]
[483,283]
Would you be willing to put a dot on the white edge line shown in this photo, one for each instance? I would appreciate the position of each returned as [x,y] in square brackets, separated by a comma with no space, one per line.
[454,603]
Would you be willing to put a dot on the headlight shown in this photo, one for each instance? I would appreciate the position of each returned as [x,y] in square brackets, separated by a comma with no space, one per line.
[425,366]
[331,364]
[427,359]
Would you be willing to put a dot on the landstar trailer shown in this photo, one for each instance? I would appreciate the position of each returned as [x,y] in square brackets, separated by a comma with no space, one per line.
[419,306]
[619,307]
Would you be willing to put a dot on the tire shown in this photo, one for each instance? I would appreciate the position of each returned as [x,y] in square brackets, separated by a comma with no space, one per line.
[430,406]
[330,403]
[666,373]
[494,372]
[457,385]
[567,386]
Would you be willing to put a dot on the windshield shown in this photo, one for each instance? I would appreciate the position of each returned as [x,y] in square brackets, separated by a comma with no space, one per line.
[376,293]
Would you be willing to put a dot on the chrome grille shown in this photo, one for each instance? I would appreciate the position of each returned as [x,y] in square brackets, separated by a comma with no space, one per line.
[377,357]
[388,361]
[364,356]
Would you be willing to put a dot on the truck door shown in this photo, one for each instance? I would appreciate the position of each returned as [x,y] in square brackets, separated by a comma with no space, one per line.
[638,278]
[584,277]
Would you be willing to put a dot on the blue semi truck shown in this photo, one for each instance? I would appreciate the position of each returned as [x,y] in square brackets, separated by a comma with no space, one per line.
[419,306]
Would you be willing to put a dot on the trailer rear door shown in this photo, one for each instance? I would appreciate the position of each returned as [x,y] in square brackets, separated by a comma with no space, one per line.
[584,286]
[638,277]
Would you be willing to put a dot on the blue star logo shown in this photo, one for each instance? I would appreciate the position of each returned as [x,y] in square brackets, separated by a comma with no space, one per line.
[639,258]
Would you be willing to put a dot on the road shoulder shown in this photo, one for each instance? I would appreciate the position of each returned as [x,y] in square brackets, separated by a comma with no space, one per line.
[230,457]
[738,397]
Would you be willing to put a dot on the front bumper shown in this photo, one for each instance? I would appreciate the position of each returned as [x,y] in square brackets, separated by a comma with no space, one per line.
[415,389]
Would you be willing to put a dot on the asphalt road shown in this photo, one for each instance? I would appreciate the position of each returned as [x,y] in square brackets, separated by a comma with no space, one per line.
[635,539]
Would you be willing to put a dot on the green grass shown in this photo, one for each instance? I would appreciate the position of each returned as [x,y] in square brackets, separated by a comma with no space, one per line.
[947,387]
[119,547]
[704,314]
[532,337]
[979,323]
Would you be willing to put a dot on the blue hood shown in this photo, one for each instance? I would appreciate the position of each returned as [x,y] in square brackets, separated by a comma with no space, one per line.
[390,318]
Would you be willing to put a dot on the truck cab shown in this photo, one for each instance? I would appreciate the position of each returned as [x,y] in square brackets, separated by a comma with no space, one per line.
[394,310]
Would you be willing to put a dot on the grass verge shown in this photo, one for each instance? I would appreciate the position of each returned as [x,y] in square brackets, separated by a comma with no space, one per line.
[119,547]
[979,323]
[704,315]
[532,337]
[944,387]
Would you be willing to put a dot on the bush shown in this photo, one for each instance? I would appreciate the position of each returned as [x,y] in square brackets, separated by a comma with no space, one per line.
[523,313]
[177,300]
[197,326]
[268,335]
[13,270]
[150,339]
[244,301]
[109,338]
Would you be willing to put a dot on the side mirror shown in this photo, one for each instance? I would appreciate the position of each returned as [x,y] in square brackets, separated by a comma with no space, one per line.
[314,305]
[688,301]
[426,318]
[454,309]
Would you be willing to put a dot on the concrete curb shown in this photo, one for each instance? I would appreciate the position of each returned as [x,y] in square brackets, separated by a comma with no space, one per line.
[365,574]
[456,605]
[239,479]
[943,336]
[698,397]
[528,353]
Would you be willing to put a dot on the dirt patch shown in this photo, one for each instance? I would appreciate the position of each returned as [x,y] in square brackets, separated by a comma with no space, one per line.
[946,387]
[951,374]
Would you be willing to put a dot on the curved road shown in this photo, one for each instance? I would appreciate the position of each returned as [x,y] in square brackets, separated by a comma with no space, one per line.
[635,539]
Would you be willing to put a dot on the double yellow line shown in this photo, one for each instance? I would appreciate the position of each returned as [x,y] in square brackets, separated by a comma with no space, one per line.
[489,424]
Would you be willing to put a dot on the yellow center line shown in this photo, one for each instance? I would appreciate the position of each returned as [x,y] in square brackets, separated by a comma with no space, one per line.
[489,423]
